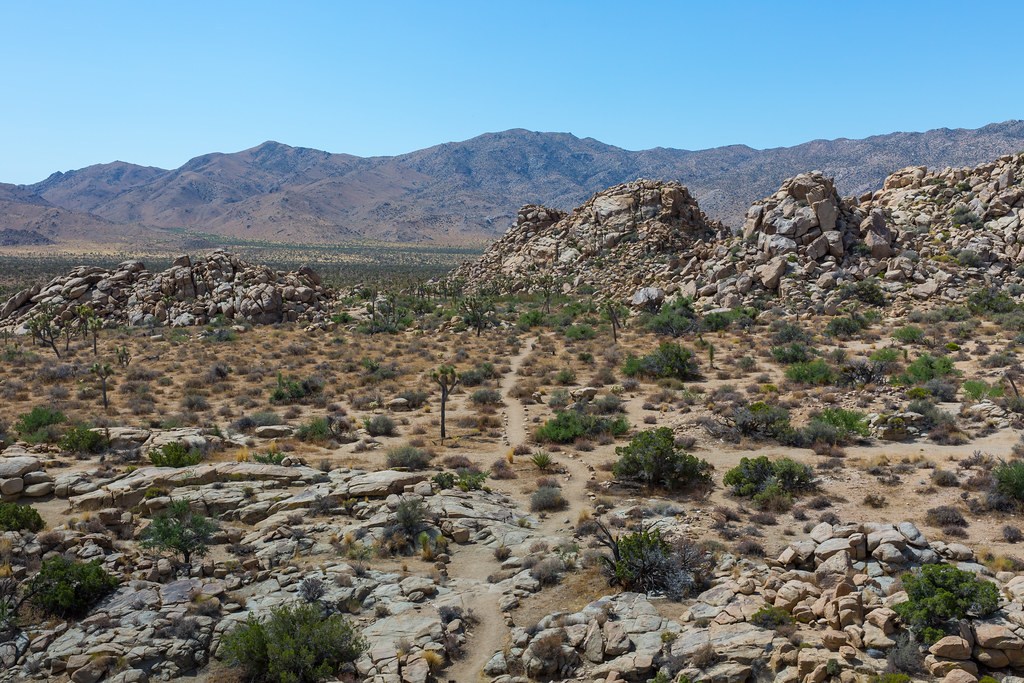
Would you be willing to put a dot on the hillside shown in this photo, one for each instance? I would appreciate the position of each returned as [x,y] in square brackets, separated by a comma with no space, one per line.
[470,190]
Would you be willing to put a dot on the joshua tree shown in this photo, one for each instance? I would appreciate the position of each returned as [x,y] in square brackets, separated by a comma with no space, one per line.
[43,328]
[446,379]
[103,371]
[477,309]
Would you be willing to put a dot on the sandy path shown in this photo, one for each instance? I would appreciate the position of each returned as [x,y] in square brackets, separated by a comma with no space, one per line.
[476,562]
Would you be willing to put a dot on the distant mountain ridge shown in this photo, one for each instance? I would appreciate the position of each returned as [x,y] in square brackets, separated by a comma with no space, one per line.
[454,192]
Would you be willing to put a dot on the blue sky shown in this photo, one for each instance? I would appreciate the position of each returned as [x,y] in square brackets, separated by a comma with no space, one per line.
[157,83]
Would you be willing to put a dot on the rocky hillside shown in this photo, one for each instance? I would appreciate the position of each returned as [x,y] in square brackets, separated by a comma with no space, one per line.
[187,293]
[468,190]
[648,225]
[923,234]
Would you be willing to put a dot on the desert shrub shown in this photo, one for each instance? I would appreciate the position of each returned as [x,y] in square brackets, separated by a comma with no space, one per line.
[380,425]
[486,397]
[944,478]
[669,361]
[14,517]
[844,326]
[290,390]
[847,423]
[414,399]
[1010,479]
[548,571]
[565,376]
[945,516]
[927,367]
[1012,534]
[644,562]
[175,454]
[786,333]
[68,588]
[179,530]
[578,332]
[569,425]
[976,389]
[909,334]
[940,389]
[905,655]
[607,405]
[762,419]
[39,425]
[409,457]
[82,439]
[653,458]
[755,476]
[294,644]
[317,430]
[771,617]
[675,318]
[793,353]
[547,499]
[812,372]
[938,594]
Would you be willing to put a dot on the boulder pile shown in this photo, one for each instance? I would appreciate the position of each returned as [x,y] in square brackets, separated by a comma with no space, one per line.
[839,588]
[923,235]
[187,293]
[622,237]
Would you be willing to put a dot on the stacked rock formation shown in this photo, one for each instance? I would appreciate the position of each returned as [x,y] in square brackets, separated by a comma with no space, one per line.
[922,235]
[622,237]
[221,284]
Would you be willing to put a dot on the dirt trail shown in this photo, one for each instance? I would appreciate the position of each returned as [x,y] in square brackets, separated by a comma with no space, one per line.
[475,563]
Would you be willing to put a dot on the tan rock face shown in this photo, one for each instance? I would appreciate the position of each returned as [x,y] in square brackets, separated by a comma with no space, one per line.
[185,294]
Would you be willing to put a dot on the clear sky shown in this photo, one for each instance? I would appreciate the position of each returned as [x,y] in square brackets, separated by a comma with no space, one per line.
[156,82]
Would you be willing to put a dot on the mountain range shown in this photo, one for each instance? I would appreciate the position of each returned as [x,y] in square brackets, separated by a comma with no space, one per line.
[456,192]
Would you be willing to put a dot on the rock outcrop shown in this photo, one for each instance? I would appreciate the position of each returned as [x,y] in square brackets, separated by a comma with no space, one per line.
[187,293]
[622,237]
[922,236]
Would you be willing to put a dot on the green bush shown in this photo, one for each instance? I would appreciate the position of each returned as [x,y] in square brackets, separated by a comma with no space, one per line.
[14,517]
[939,594]
[771,617]
[565,376]
[317,430]
[670,360]
[644,562]
[927,367]
[175,454]
[294,644]
[753,476]
[762,419]
[179,530]
[909,334]
[578,332]
[491,397]
[39,425]
[568,425]
[380,425]
[848,423]
[653,458]
[68,588]
[290,390]
[548,499]
[82,439]
[530,319]
[793,353]
[410,457]
[894,678]
[844,327]
[813,372]
[675,318]
[1010,479]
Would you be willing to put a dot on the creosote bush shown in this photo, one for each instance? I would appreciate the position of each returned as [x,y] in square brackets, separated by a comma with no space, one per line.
[938,594]
[175,454]
[14,517]
[293,644]
[653,458]
[68,588]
